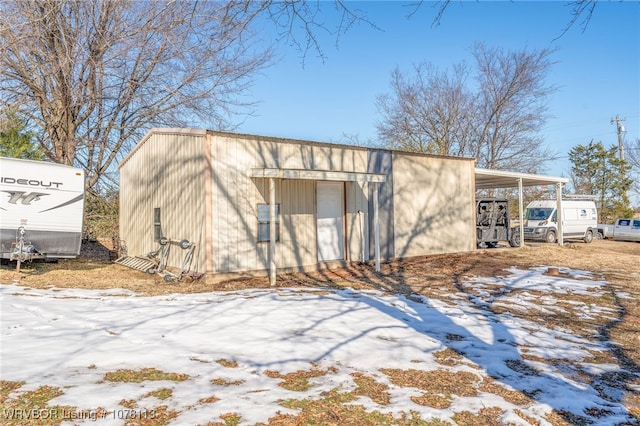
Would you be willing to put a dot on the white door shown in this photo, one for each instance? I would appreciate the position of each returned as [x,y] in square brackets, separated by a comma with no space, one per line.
[571,224]
[330,221]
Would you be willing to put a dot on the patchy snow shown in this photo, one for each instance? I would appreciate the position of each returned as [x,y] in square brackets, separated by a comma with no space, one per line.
[70,338]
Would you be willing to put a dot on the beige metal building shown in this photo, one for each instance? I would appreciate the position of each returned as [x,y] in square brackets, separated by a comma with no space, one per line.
[257,204]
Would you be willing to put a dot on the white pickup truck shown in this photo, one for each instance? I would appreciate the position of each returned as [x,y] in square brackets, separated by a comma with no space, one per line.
[622,230]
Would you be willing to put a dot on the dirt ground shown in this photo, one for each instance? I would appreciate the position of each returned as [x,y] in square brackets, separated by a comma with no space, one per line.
[618,262]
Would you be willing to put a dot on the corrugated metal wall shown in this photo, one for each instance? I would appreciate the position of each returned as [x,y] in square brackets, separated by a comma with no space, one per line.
[236,197]
[432,196]
[165,172]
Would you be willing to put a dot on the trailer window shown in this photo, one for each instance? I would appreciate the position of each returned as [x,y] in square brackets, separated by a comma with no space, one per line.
[263,223]
[157,225]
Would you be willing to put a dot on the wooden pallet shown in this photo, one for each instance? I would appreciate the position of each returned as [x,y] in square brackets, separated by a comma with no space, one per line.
[143,264]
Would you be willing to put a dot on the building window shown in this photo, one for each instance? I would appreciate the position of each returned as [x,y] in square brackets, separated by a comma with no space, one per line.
[157,225]
[263,223]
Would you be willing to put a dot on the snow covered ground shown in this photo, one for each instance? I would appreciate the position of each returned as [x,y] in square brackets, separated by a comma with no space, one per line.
[226,342]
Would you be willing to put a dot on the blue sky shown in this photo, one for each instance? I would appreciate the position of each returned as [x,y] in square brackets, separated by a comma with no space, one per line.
[597,70]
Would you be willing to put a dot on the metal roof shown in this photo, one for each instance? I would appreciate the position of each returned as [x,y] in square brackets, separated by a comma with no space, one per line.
[486,179]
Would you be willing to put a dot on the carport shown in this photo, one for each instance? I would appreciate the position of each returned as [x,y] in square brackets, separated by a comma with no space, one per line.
[494,179]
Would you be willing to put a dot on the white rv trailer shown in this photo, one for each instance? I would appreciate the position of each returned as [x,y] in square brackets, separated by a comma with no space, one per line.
[41,209]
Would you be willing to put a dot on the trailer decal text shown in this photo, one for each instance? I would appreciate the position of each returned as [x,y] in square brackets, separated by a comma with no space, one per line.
[31,182]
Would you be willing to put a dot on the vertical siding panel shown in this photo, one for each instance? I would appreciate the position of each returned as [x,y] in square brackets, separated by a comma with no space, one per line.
[286,223]
[217,146]
[208,208]
[164,173]
[235,204]
[223,202]
[243,233]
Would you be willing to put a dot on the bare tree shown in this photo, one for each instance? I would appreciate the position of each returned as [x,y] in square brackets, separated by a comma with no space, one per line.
[498,123]
[632,156]
[427,111]
[581,11]
[511,108]
[94,74]
[91,76]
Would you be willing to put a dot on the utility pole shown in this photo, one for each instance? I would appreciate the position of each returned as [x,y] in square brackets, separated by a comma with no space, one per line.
[620,130]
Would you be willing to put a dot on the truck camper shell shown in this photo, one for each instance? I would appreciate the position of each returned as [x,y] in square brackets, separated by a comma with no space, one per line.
[41,209]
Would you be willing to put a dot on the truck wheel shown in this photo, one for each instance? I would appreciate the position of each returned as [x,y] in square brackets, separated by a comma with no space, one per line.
[551,237]
[588,237]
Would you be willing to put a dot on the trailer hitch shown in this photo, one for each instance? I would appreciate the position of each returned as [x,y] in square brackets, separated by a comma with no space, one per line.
[22,250]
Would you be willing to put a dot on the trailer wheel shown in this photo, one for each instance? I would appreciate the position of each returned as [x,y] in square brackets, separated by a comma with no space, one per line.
[588,236]
[551,237]
[514,241]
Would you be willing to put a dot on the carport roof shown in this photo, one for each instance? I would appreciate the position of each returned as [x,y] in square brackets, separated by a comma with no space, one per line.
[487,179]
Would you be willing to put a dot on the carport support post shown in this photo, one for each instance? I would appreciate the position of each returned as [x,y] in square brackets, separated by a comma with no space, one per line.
[521,212]
[272,232]
[376,225]
[559,213]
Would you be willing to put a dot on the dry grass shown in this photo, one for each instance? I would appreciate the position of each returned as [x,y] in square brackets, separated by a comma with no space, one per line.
[297,380]
[225,382]
[163,393]
[337,408]
[138,376]
[440,386]
[367,386]
[227,363]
